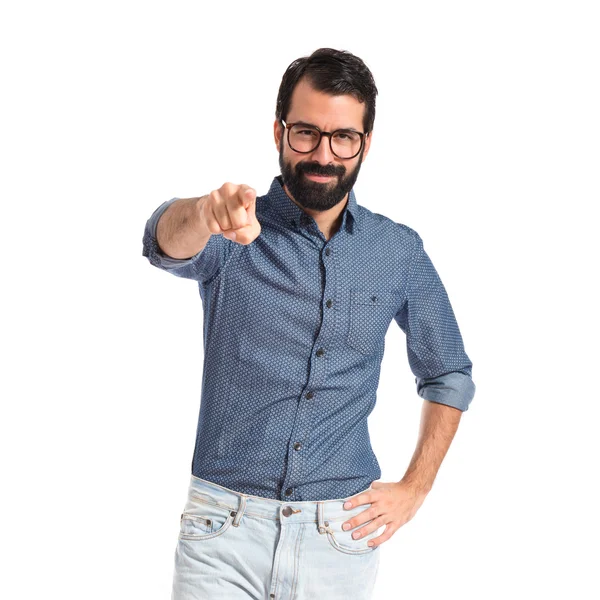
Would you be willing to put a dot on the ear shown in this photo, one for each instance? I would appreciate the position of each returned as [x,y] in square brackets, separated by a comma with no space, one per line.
[367,145]
[278,132]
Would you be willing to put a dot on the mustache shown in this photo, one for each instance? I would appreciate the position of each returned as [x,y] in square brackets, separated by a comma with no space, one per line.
[317,169]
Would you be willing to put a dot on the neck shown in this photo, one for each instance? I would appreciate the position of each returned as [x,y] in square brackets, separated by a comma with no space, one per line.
[328,221]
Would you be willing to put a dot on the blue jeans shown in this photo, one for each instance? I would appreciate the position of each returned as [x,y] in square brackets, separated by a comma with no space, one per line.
[233,546]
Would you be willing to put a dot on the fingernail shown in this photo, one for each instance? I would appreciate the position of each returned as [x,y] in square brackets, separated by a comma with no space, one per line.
[346,526]
[348,505]
[231,235]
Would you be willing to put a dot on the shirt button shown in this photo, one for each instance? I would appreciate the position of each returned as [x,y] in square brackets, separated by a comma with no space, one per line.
[320,352]
[327,251]
[329,303]
[309,395]
[289,491]
[297,446]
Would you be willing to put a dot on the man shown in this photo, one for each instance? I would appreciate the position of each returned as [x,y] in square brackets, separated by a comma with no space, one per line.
[299,287]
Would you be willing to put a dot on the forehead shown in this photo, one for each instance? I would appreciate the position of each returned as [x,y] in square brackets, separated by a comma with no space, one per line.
[324,110]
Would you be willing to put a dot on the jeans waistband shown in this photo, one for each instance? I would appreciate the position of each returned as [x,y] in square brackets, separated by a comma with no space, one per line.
[305,511]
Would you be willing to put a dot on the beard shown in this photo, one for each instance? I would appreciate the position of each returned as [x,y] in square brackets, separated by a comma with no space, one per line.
[313,194]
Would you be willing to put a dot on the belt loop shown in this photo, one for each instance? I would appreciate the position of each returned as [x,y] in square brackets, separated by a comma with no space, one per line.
[240,511]
[322,525]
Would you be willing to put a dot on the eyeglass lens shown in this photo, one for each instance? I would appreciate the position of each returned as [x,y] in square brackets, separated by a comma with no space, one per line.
[344,144]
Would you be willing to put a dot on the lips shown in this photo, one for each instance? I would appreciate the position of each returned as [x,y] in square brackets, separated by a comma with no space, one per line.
[318,177]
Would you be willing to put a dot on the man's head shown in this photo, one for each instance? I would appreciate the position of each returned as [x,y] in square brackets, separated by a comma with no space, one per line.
[331,90]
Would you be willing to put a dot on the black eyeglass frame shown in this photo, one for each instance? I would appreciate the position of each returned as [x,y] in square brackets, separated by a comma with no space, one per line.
[329,134]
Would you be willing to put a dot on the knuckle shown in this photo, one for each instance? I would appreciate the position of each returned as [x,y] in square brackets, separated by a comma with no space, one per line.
[213,226]
[229,187]
[212,222]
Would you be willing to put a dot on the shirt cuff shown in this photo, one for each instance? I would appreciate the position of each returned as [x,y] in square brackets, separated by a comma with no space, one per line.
[453,389]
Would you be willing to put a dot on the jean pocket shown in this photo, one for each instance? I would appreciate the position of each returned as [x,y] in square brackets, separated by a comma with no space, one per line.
[203,520]
[370,315]
[344,542]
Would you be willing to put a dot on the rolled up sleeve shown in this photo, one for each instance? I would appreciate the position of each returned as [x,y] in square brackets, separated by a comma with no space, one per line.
[434,343]
[200,267]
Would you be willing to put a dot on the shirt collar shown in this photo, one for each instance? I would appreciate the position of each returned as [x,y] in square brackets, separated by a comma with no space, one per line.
[287,211]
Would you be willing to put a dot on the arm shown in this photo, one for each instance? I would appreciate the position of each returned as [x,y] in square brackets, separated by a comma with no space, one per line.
[180,232]
[442,372]
[439,423]
[193,237]
[440,364]
[174,232]
[395,503]
[435,348]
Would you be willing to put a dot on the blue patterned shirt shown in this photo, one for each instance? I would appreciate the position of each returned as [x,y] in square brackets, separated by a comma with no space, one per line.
[293,334]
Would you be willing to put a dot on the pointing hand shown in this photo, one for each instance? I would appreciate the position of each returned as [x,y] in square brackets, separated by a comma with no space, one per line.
[230,211]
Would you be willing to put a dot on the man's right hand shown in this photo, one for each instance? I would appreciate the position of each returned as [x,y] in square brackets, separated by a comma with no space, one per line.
[230,211]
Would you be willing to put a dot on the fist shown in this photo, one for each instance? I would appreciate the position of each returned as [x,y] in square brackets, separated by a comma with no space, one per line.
[230,211]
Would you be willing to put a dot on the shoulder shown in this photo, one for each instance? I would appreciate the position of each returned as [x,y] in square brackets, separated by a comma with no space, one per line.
[377,225]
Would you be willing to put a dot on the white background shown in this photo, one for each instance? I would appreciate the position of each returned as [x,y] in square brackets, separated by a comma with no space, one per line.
[486,142]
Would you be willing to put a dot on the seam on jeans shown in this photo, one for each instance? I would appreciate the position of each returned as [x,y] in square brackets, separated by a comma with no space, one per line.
[206,520]
[345,549]
[349,513]
[260,516]
[297,560]
[220,531]
[204,500]
[278,554]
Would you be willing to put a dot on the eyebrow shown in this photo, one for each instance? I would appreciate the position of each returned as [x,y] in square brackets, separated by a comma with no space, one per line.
[338,129]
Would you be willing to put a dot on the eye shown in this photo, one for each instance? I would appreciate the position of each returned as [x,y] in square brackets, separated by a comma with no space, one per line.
[346,136]
[305,132]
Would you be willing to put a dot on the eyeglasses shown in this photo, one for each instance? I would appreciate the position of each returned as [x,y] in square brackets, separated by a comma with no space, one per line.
[305,138]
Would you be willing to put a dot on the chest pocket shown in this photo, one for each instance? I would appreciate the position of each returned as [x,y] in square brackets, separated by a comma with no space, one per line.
[371,313]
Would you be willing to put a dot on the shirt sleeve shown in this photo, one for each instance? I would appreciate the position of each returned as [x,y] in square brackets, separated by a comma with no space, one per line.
[201,267]
[434,344]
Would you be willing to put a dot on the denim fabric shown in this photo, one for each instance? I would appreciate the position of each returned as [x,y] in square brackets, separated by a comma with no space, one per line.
[234,545]
[293,337]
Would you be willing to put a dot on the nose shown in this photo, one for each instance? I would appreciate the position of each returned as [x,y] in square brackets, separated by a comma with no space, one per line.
[322,153]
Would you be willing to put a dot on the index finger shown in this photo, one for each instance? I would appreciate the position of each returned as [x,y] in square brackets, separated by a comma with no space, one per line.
[246,194]
[361,498]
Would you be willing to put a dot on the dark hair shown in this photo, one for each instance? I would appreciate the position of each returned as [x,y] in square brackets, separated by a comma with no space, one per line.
[334,72]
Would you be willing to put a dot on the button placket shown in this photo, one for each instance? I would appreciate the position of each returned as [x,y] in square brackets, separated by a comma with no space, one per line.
[318,374]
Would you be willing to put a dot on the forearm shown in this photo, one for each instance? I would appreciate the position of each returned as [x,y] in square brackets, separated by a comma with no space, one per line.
[180,232]
[439,423]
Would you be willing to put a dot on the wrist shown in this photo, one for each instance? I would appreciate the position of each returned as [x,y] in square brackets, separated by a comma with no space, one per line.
[418,487]
[199,223]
